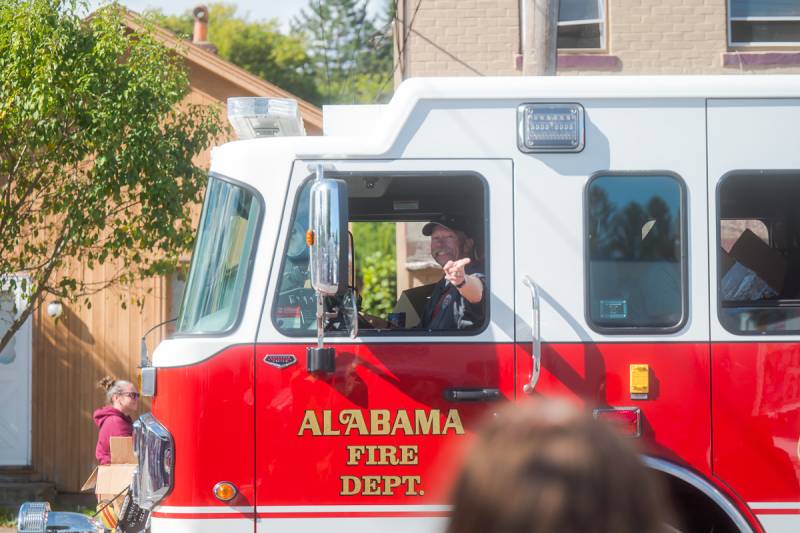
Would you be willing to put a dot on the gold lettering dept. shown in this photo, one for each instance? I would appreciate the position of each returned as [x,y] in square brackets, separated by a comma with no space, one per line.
[380,485]
[380,422]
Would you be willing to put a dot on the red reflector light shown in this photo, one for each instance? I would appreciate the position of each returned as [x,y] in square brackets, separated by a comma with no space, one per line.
[627,420]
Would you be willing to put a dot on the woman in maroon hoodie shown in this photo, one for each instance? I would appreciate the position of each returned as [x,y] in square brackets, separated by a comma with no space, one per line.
[115,419]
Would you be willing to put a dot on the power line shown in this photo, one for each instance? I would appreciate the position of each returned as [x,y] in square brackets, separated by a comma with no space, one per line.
[402,52]
[449,54]
[325,43]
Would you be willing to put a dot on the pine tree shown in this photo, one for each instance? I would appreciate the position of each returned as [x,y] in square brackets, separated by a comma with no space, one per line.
[350,50]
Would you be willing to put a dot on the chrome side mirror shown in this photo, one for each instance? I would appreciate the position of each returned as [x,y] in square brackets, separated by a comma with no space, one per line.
[328,218]
[330,248]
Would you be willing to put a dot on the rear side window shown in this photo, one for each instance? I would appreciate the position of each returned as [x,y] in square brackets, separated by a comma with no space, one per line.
[759,252]
[635,260]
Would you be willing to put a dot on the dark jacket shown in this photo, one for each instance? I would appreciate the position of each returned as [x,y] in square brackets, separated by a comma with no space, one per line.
[448,310]
[112,423]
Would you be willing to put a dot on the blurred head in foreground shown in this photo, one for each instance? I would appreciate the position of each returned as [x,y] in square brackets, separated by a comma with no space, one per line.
[545,467]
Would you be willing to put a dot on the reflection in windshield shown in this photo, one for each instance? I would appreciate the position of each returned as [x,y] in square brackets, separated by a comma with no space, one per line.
[220,261]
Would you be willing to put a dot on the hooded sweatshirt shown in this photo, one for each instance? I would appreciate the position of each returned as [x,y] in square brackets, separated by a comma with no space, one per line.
[112,423]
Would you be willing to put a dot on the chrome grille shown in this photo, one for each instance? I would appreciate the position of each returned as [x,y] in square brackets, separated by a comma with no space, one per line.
[33,517]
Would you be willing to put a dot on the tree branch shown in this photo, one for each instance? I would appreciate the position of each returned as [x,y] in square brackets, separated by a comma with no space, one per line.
[34,299]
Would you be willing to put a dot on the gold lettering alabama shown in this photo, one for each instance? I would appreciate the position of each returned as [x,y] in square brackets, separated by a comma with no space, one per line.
[380,422]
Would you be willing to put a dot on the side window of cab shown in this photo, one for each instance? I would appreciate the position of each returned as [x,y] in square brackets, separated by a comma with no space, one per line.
[403,229]
[636,266]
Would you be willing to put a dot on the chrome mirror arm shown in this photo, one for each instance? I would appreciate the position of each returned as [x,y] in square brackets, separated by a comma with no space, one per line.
[354,329]
[536,334]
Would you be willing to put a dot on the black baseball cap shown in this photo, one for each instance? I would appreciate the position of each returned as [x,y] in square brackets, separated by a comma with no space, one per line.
[451,222]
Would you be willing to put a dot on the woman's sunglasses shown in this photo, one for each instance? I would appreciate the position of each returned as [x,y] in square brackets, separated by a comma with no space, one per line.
[134,395]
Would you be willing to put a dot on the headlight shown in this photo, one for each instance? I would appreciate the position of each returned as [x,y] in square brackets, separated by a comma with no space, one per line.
[155,452]
[35,517]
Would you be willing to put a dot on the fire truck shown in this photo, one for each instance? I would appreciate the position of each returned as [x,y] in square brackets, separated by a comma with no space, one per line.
[640,239]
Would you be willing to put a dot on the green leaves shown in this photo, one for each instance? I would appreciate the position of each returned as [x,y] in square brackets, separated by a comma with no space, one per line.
[258,47]
[335,53]
[376,266]
[379,284]
[95,150]
[351,51]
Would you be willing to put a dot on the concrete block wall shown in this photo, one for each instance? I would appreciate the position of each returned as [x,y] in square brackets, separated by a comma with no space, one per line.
[481,37]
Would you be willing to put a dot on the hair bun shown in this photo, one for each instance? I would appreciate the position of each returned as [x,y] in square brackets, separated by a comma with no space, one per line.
[106,383]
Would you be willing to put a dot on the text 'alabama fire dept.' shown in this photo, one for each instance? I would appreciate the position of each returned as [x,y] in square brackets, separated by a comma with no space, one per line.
[375,422]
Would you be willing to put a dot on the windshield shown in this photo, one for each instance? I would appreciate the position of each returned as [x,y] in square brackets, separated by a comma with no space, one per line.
[221,259]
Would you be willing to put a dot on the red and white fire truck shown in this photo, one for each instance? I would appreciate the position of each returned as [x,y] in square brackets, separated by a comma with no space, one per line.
[641,244]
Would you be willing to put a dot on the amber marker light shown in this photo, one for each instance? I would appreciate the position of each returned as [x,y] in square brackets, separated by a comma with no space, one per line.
[310,237]
[640,382]
[225,491]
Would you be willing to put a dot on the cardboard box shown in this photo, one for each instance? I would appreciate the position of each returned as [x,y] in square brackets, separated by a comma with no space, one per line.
[412,302]
[767,263]
[109,480]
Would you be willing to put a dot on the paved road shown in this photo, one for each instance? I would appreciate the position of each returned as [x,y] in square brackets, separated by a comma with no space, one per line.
[7,530]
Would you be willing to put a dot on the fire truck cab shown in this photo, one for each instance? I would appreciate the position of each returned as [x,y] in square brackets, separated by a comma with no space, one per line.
[640,245]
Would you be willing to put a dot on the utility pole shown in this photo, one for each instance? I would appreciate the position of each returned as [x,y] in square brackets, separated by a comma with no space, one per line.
[541,29]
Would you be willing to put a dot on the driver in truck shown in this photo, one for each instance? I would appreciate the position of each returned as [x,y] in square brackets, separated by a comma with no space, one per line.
[457,301]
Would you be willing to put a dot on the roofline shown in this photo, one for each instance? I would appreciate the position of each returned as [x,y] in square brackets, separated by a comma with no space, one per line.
[212,62]
[616,87]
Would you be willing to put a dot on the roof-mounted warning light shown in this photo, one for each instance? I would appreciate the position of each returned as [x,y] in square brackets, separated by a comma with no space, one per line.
[253,117]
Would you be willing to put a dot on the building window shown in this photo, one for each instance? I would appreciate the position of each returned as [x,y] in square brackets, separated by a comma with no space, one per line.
[581,24]
[635,254]
[764,22]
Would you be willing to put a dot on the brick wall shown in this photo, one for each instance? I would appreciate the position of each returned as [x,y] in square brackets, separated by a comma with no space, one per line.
[481,37]
[459,37]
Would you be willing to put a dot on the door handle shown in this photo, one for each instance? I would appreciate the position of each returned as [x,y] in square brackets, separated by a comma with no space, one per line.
[536,335]
[472,395]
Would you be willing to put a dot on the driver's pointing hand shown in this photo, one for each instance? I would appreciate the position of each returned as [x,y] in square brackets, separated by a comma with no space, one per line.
[457,299]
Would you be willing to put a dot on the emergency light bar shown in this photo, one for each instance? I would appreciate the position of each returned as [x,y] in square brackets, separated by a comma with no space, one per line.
[253,117]
[550,128]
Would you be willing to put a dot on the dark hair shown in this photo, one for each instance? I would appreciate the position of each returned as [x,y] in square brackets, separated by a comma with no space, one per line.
[112,386]
[545,467]
[106,383]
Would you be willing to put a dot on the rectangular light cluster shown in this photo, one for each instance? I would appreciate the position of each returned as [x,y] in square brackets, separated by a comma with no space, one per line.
[550,128]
